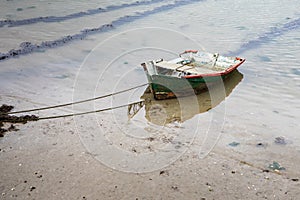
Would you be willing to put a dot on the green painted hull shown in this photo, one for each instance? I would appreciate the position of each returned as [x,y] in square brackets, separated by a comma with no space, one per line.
[164,87]
[189,74]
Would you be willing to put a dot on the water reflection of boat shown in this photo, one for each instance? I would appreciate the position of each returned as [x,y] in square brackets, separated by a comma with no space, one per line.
[179,110]
[188,74]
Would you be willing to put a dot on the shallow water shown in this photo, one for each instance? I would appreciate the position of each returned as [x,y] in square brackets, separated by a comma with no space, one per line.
[98,60]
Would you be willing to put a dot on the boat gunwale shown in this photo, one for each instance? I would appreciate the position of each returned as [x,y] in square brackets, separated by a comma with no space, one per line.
[195,76]
[222,73]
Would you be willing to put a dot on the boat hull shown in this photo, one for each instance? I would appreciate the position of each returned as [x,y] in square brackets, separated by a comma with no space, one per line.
[191,73]
[165,87]
[172,110]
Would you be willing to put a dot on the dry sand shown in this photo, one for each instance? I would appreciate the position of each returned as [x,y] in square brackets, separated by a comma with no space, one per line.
[46,160]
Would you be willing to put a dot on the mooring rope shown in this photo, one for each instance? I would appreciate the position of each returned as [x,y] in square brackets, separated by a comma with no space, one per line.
[88,112]
[12,119]
[77,102]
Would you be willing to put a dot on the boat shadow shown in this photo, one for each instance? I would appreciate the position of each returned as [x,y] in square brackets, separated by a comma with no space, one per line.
[163,112]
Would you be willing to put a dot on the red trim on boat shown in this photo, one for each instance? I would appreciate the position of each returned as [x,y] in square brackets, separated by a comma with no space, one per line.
[227,71]
[188,51]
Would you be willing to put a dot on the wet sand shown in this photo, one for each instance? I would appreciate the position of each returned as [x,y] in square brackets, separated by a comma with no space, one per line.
[46,160]
[240,136]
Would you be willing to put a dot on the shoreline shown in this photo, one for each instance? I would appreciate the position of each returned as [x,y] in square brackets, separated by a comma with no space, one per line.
[46,160]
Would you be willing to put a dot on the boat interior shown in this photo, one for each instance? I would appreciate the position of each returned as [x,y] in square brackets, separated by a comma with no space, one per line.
[194,65]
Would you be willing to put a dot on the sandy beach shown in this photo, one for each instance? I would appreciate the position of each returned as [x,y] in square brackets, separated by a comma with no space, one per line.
[46,160]
[239,140]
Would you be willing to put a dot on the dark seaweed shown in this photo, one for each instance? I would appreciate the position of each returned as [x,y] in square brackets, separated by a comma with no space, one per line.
[267,37]
[27,47]
[5,118]
[50,19]
[5,108]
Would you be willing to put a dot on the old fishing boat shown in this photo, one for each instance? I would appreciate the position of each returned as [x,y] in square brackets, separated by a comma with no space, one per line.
[166,112]
[192,72]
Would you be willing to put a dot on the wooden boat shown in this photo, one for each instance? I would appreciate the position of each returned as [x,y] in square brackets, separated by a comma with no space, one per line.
[171,110]
[188,74]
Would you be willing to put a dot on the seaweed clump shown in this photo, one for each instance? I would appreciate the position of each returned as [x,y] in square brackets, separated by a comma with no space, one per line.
[11,120]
